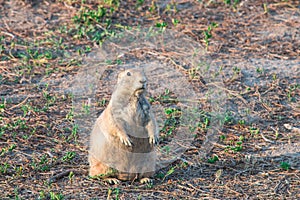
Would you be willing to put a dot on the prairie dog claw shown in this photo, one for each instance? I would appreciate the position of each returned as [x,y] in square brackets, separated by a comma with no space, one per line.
[153,139]
[112,181]
[125,140]
[146,180]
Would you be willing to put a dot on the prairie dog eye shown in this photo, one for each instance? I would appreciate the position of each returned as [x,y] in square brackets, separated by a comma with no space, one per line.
[128,74]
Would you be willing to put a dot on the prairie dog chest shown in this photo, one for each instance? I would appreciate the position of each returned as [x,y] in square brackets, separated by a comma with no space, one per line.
[129,101]
[140,112]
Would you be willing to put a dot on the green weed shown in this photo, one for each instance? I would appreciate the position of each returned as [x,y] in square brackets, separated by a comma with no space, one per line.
[213,159]
[25,108]
[241,122]
[94,24]
[222,137]
[292,91]
[42,195]
[228,118]
[103,102]
[74,134]
[54,196]
[175,22]
[70,114]
[254,131]
[208,33]
[169,172]
[161,25]
[236,70]
[171,7]
[139,3]
[70,176]
[285,165]
[16,193]
[41,165]
[233,3]
[69,156]
[2,107]
[170,124]
[260,70]
[165,149]
[4,167]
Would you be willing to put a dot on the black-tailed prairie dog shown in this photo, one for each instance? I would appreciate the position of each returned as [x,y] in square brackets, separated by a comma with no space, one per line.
[123,138]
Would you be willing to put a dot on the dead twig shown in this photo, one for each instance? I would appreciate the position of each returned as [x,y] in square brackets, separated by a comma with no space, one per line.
[63,174]
[266,139]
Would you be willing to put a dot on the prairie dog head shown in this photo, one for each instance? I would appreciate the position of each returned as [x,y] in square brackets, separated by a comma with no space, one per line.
[132,81]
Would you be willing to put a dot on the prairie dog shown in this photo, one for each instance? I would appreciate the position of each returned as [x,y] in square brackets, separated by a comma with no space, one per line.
[123,138]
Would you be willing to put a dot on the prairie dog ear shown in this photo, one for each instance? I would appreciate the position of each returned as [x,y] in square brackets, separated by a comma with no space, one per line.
[121,74]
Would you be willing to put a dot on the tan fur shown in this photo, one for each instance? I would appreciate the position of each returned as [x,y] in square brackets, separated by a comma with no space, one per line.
[122,140]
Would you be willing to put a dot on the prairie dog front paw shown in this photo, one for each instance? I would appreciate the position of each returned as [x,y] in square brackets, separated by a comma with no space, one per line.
[153,139]
[124,139]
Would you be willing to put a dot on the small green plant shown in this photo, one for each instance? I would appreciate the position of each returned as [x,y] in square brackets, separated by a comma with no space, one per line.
[110,172]
[70,176]
[19,170]
[169,125]
[285,165]
[175,22]
[103,102]
[222,137]
[4,167]
[172,111]
[161,25]
[16,192]
[236,70]
[70,114]
[213,159]
[204,120]
[242,122]
[237,147]
[7,149]
[291,92]
[241,138]
[160,175]
[169,172]
[42,195]
[228,118]
[2,107]
[75,131]
[234,3]
[208,33]
[171,7]
[254,131]
[112,3]
[165,149]
[87,22]
[115,191]
[88,16]
[86,108]
[54,196]
[276,135]
[140,3]
[259,70]
[25,108]
[69,156]
[43,164]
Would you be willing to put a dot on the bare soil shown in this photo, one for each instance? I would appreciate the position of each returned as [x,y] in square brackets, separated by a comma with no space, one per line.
[257,45]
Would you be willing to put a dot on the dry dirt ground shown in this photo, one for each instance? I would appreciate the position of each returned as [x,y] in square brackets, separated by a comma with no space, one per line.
[255,46]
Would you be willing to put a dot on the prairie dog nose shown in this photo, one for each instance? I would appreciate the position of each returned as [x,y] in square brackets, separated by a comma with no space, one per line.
[144,80]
